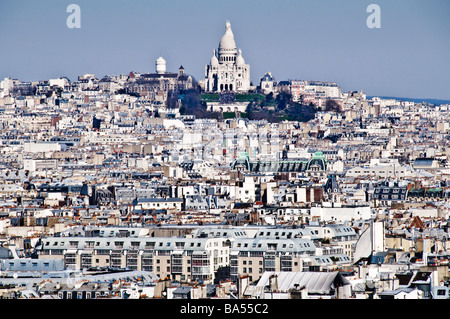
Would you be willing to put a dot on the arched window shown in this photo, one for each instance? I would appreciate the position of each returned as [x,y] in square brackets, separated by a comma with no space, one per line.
[231,87]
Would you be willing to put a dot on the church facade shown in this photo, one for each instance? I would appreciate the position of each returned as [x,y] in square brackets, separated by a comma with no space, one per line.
[157,86]
[227,70]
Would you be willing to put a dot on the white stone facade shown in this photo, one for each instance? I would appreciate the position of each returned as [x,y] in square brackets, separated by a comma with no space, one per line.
[227,71]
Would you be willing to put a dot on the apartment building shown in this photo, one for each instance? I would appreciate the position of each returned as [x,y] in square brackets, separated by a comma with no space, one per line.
[160,203]
[253,256]
[183,259]
[337,234]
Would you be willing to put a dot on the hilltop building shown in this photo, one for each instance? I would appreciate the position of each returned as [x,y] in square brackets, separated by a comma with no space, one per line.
[157,86]
[227,70]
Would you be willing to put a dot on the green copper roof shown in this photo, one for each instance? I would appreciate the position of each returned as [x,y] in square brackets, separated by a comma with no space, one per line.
[318,155]
[243,155]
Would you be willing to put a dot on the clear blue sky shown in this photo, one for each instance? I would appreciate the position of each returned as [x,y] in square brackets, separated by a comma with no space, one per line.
[326,40]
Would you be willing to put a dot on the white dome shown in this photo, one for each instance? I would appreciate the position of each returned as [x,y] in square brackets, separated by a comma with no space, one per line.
[240,59]
[160,65]
[227,41]
[214,60]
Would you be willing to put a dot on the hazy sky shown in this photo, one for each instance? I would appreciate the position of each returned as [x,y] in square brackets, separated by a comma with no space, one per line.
[325,40]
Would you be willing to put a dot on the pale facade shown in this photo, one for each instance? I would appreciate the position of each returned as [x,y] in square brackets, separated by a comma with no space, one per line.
[312,91]
[227,70]
[186,259]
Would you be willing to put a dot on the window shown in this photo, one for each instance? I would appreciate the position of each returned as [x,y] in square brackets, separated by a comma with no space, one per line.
[89,244]
[441,292]
[135,244]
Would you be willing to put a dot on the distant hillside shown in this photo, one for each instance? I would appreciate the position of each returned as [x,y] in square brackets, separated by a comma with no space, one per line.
[431,101]
[260,106]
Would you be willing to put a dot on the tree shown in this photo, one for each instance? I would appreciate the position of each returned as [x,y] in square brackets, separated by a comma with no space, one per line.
[283,99]
[332,106]
[269,97]
[172,99]
[301,112]
[193,105]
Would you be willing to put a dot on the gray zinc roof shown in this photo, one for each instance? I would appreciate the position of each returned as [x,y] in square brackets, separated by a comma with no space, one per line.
[314,282]
[157,243]
[302,245]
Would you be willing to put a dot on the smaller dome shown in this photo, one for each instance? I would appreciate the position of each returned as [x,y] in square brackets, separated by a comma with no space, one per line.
[160,65]
[214,60]
[240,59]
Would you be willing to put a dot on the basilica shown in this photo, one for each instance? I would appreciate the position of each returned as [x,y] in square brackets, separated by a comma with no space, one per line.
[227,71]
